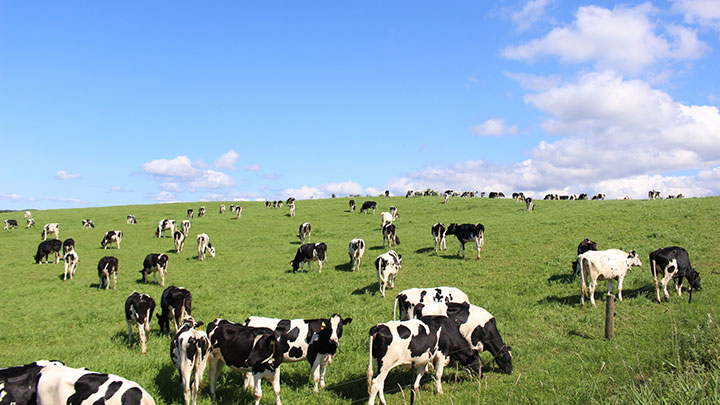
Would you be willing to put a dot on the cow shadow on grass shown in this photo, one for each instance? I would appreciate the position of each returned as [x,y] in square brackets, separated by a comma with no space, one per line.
[168,384]
[376,248]
[372,288]
[344,267]
[425,250]
[600,294]
[562,278]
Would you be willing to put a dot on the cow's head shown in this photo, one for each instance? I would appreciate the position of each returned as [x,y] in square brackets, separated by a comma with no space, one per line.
[693,278]
[451,229]
[264,351]
[162,260]
[211,249]
[504,359]
[335,328]
[633,259]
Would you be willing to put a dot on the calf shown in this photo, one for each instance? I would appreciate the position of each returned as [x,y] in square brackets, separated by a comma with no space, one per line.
[438,233]
[107,266]
[674,262]
[222,208]
[204,246]
[189,350]
[387,266]
[314,340]
[352,205]
[131,219]
[190,213]
[386,218]
[254,350]
[185,227]
[367,205]
[419,342]
[139,309]
[110,237]
[153,263]
[30,223]
[308,253]
[604,265]
[87,224]
[356,250]
[201,211]
[47,247]
[408,299]
[389,234]
[50,228]
[71,262]
[165,224]
[175,302]
[68,245]
[11,223]
[179,238]
[292,208]
[468,233]
[304,232]
[18,385]
[584,246]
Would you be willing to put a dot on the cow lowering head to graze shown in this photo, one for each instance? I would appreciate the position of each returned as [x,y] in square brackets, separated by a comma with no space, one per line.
[201,211]
[27,215]
[468,233]
[408,299]
[204,246]
[110,237]
[238,211]
[607,265]
[386,218]
[48,229]
[18,384]
[68,245]
[314,340]
[87,224]
[292,208]
[175,303]
[438,233]
[243,348]
[10,223]
[139,310]
[584,246]
[367,205]
[47,247]
[674,262]
[107,266]
[356,250]
[389,234]
[131,219]
[185,227]
[352,205]
[419,342]
[179,239]
[71,262]
[268,204]
[164,225]
[30,223]
[308,253]
[446,198]
[155,263]
[387,265]
[189,350]
[222,208]
[279,204]
[529,204]
[304,232]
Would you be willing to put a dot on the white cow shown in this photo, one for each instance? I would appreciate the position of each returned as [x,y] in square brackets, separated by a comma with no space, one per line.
[292,208]
[51,228]
[356,250]
[27,215]
[605,265]
[386,218]
[164,225]
[30,223]
[387,266]
[185,226]
[204,245]
[222,208]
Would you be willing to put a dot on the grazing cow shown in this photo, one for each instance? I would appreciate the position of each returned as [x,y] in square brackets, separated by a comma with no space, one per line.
[11,223]
[388,232]
[50,228]
[604,265]
[204,245]
[185,227]
[308,253]
[292,208]
[496,194]
[27,215]
[367,205]
[653,195]
[304,232]
[582,197]
[408,299]
[419,342]
[352,205]
[155,263]
[18,385]
[356,250]
[314,340]
[529,204]
[268,204]
[243,348]
[201,211]
[386,218]
[131,219]
[290,200]
[165,224]
[106,266]
[190,213]
[387,265]
[583,247]
[110,237]
[232,207]
[139,310]
[189,350]
[518,197]
[30,223]
[87,224]
[438,233]
[598,196]
[674,262]
[71,262]
[222,208]
[179,238]
[68,245]
[468,233]
[409,194]
[238,211]
[446,198]
[47,247]
[175,303]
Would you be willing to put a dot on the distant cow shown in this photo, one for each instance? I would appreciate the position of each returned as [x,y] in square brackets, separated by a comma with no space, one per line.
[71,262]
[131,219]
[190,213]
[653,195]
[304,232]
[139,310]
[189,350]
[87,224]
[598,196]
[47,247]
[279,204]
[107,266]
[529,204]
[387,265]
[201,211]
[674,262]
[164,225]
[308,253]
[48,229]
[584,246]
[238,211]
[68,245]
[179,239]
[185,227]
[438,233]
[468,233]
[496,194]
[155,263]
[367,205]
[27,215]
[11,223]
[110,237]
[446,198]
[292,208]
[356,250]
[204,246]
[175,303]
[222,208]
[389,234]
[352,205]
[408,299]
[268,204]
[290,200]
[386,218]
[30,223]
[605,265]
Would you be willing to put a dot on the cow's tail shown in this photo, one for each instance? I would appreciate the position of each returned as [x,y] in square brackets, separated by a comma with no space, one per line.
[370,363]
[395,309]
[583,267]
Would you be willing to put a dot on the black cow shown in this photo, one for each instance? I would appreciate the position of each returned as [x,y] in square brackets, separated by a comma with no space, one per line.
[47,247]
[139,310]
[254,350]
[10,223]
[583,247]
[68,245]
[468,233]
[352,205]
[388,231]
[107,266]
[308,253]
[153,263]
[674,261]
[175,302]
[367,205]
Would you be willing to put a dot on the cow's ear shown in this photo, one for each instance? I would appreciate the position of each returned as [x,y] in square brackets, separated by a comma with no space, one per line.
[346,321]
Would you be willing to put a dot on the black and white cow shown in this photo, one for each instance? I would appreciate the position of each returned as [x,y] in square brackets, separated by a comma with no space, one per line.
[446,197]
[438,233]
[386,218]
[352,205]
[468,233]
[308,253]
[189,350]
[222,208]
[598,196]
[68,245]
[155,263]
[584,246]
[291,206]
[290,200]
[496,194]
[389,234]
[87,224]
[201,211]
[232,207]
[71,260]
[238,211]
[529,204]
[164,225]
[131,219]
[674,262]
[604,265]
[190,213]
[394,212]
[139,310]
[408,299]
[110,237]
[107,266]
[10,223]
[47,247]
[314,340]
[179,239]
[185,227]
[653,195]
[387,265]
[304,232]
[268,204]
[18,385]
[367,205]
[27,214]
[50,228]
[204,246]
[243,348]
[356,250]
[30,223]
[175,303]
[430,339]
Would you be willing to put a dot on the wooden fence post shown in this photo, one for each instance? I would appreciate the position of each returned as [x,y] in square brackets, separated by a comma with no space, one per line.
[609,316]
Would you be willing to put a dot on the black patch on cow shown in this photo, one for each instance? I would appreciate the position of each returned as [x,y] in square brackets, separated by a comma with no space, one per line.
[382,338]
[422,296]
[192,348]
[293,333]
[403,332]
[420,343]
[85,386]
[458,312]
[112,389]
[235,343]
[20,384]
[295,353]
[133,396]
[451,342]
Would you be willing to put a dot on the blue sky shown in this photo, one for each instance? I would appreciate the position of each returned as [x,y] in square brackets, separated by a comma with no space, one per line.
[111,103]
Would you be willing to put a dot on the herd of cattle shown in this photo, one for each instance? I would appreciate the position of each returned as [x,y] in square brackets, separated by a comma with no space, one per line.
[436,325]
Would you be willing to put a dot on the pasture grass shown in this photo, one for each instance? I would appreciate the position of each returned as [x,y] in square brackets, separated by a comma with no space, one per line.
[665,352]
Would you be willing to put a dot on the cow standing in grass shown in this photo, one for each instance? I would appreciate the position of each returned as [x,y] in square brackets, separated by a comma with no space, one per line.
[30,223]
[304,232]
[204,246]
[438,233]
[139,310]
[389,234]
[674,262]
[185,227]
[356,250]
[131,220]
[46,247]
[71,262]
[110,237]
[468,233]
[48,229]
[155,263]
[189,350]
[308,253]
[164,225]
[179,239]
[10,223]
[107,266]
[607,265]
[222,208]
[175,303]
[387,265]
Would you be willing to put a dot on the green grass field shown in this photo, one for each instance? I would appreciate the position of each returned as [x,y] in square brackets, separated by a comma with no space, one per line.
[661,352]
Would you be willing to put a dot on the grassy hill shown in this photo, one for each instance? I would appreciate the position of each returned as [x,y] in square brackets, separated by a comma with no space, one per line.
[668,350]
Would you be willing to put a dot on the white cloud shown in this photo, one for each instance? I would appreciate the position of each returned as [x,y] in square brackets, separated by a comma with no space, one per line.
[180,166]
[534,82]
[703,12]
[164,196]
[252,168]
[494,127]
[212,179]
[304,193]
[171,186]
[66,200]
[533,11]
[183,173]
[328,189]
[63,175]
[227,160]
[14,197]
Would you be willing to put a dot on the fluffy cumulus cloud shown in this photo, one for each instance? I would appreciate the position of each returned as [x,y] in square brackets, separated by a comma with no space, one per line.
[227,160]
[703,12]
[165,197]
[63,175]
[181,173]
[494,127]
[180,166]
[328,189]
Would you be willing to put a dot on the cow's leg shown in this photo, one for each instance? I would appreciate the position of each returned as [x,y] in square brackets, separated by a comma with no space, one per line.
[443,242]
[200,364]
[316,372]
[436,243]
[143,337]
[66,272]
[665,282]
[185,374]
[378,386]
[320,263]
[678,286]
[114,280]
[620,286]
[323,368]
[439,366]
[257,389]
[477,245]
[214,366]
[593,285]
[129,325]
[653,267]
[421,370]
